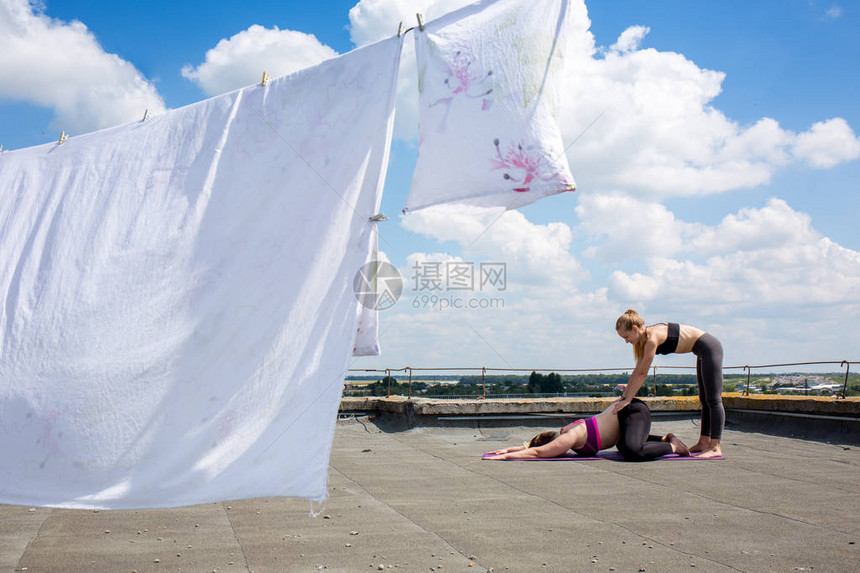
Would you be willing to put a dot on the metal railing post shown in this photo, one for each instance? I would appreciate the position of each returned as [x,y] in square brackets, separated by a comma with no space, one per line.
[747,391]
[845,386]
[409,368]
[484,380]
[655,380]
[388,375]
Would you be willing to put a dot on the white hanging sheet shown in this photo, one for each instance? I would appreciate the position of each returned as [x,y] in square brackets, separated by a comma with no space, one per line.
[488,131]
[367,331]
[177,308]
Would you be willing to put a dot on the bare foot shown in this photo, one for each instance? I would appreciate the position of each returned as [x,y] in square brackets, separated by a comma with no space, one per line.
[702,445]
[711,453]
[678,446]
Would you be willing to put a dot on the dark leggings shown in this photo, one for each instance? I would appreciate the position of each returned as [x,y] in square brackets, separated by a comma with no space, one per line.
[635,442]
[709,373]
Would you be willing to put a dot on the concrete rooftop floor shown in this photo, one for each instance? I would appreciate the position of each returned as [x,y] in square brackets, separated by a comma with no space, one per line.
[422,500]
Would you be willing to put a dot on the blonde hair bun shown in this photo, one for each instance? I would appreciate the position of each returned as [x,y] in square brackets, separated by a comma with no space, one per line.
[628,320]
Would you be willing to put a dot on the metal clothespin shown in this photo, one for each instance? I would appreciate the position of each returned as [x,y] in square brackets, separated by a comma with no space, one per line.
[266,78]
[420,22]
[63,137]
[378,217]
[145,115]
[400,29]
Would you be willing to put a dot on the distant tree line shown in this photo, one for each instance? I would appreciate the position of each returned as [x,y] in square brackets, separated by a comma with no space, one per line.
[534,383]
[554,383]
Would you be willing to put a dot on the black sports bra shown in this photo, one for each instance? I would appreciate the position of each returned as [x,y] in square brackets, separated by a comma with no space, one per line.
[671,343]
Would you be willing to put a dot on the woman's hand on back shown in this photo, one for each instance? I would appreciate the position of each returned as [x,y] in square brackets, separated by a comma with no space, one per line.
[620,404]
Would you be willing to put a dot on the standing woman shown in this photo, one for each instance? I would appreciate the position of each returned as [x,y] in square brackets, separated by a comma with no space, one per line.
[666,338]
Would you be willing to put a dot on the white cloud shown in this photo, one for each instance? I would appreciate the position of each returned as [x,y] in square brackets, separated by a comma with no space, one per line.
[631,227]
[764,255]
[623,227]
[659,133]
[60,65]
[535,254]
[827,144]
[834,12]
[240,60]
[774,226]
[767,256]
[630,39]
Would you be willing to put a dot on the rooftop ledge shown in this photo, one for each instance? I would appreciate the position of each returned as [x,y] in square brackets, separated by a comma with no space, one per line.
[815,405]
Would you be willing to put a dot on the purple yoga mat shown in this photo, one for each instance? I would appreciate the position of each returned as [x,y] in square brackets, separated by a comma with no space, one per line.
[613,455]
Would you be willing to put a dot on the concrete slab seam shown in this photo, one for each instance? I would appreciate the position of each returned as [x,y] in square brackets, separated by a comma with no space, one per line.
[236,537]
[18,564]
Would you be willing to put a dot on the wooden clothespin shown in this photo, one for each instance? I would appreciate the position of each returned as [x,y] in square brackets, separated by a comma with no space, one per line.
[400,29]
[266,78]
[378,218]
[63,137]
[420,22]
[145,115]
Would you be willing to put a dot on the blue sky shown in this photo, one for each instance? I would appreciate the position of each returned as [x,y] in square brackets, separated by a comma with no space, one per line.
[748,230]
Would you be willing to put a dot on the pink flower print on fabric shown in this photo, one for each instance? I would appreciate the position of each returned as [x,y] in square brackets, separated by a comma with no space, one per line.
[463,81]
[523,167]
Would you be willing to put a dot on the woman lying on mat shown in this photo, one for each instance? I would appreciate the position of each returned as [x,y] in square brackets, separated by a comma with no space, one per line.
[628,431]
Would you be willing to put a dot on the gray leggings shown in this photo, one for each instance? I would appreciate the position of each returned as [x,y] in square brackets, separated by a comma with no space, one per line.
[709,373]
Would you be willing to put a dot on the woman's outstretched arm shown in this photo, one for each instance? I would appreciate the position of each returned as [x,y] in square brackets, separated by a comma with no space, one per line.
[551,450]
[507,450]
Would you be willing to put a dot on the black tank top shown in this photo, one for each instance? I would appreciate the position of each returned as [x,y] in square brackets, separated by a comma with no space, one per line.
[671,343]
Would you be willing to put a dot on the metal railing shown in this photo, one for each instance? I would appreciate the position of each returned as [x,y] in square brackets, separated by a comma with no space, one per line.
[483,369]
